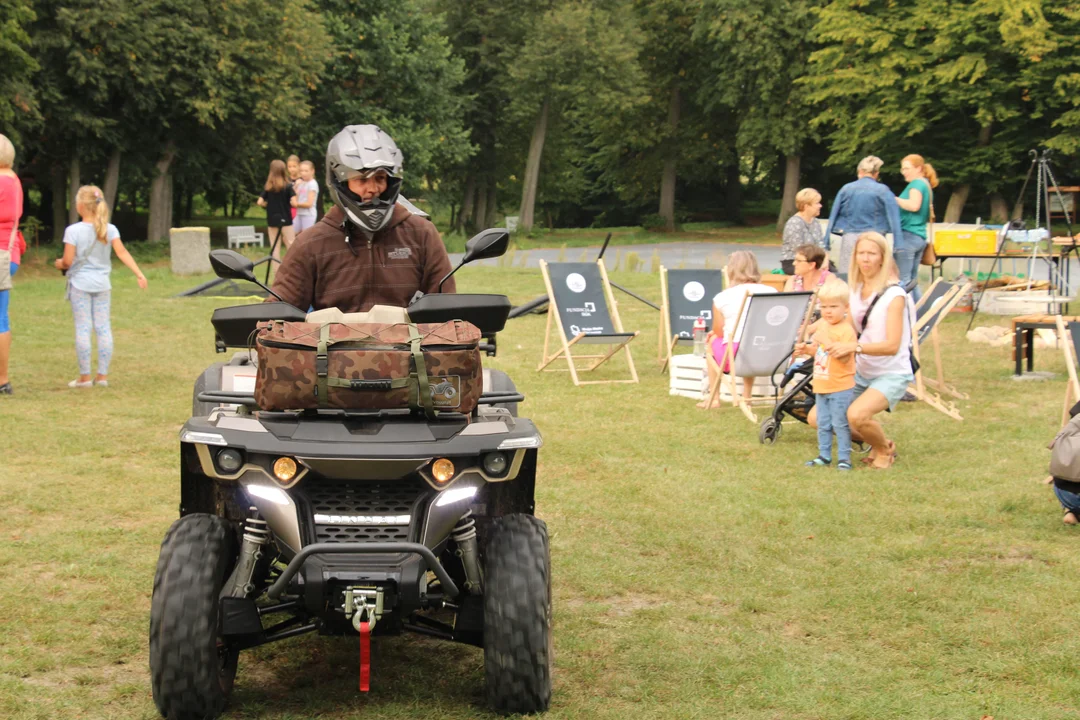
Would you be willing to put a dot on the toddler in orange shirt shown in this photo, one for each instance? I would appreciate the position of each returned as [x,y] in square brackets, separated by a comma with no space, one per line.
[834,378]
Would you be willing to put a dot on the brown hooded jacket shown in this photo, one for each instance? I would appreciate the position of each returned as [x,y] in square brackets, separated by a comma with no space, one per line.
[320,270]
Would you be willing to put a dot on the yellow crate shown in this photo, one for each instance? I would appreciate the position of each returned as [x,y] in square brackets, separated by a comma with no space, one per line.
[965,242]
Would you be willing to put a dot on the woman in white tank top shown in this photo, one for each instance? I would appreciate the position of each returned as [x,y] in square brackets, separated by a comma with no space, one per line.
[882,352]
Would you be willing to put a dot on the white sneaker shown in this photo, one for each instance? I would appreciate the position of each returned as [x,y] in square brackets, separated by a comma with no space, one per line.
[77,384]
[101,383]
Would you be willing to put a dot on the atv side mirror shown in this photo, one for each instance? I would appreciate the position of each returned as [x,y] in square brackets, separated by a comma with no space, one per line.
[231,265]
[490,243]
[487,244]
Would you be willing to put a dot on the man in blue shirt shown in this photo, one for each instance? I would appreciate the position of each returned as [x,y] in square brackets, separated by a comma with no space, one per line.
[861,206]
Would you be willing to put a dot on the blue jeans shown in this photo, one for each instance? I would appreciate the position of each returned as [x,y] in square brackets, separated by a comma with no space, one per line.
[1070,501]
[908,257]
[832,417]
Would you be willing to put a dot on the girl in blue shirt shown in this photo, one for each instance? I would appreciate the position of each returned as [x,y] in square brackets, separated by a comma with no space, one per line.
[88,247]
[914,203]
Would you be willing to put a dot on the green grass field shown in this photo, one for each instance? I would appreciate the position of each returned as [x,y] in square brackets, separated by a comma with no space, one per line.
[697,573]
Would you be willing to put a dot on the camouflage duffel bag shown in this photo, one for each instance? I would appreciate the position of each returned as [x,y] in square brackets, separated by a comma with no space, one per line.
[368,366]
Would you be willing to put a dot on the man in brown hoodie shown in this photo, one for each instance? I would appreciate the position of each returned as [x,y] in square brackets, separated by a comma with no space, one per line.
[369,249]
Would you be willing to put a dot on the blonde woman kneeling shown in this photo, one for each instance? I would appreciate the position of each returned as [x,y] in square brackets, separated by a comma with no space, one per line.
[743,276]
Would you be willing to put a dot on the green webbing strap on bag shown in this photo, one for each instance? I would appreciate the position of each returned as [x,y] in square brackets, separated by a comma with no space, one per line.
[322,366]
[423,389]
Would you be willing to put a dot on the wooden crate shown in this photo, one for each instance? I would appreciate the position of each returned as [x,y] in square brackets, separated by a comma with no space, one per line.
[688,376]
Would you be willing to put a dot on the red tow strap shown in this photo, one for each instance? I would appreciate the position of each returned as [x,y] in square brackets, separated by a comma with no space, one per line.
[365,657]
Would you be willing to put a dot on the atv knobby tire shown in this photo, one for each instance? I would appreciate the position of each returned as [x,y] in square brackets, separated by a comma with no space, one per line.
[190,673]
[517,615]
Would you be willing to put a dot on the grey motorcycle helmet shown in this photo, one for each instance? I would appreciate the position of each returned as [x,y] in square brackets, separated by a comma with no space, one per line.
[360,150]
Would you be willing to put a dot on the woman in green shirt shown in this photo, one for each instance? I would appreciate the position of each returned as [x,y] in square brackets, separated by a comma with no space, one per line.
[914,205]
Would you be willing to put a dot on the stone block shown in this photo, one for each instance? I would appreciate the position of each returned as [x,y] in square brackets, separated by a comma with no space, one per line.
[189,250]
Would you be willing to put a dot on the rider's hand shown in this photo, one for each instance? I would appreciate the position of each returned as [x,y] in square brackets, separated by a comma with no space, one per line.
[142,282]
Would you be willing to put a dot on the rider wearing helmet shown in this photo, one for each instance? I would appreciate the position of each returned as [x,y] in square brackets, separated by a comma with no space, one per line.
[372,248]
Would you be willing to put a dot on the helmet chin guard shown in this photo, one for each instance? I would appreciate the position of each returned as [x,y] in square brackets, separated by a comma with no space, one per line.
[356,150]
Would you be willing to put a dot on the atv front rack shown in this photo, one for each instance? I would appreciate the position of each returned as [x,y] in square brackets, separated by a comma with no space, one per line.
[226,397]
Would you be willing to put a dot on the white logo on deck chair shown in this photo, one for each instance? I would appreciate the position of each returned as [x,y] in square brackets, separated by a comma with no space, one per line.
[576,282]
[693,291]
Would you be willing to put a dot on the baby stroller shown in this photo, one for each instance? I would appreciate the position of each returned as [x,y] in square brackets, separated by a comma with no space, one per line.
[796,402]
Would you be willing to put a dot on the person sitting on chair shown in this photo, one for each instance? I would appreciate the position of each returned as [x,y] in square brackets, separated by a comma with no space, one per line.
[743,278]
[810,273]
[368,249]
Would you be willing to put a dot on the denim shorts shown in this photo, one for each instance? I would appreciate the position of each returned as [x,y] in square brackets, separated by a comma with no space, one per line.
[891,385]
[5,300]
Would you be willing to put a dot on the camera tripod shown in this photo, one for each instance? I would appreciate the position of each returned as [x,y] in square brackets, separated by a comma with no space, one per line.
[1058,269]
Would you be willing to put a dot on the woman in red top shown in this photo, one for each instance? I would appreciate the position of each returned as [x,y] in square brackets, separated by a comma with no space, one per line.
[11,206]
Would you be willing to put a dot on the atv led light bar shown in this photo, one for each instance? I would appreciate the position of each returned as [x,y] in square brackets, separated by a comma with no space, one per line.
[455,495]
[273,494]
[321,519]
[532,441]
[203,438]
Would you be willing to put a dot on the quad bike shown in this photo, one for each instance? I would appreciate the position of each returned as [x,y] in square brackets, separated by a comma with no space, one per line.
[351,523]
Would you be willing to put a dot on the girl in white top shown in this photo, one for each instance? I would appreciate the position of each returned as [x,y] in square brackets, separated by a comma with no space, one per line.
[88,249]
[882,352]
[743,276]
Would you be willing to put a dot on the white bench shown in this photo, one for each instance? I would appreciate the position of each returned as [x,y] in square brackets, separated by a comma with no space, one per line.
[244,235]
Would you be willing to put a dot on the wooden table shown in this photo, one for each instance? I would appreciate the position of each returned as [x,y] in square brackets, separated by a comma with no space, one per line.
[1024,327]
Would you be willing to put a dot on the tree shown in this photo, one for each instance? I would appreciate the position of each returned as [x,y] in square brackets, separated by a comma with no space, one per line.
[894,77]
[581,60]
[759,52]
[17,103]
[391,66]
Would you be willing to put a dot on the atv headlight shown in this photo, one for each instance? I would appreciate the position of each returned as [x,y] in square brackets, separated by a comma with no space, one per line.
[230,460]
[529,441]
[495,464]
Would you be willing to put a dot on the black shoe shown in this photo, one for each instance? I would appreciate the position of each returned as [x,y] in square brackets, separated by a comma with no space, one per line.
[6,389]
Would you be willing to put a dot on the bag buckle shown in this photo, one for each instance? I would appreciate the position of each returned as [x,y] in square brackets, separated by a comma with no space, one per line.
[322,365]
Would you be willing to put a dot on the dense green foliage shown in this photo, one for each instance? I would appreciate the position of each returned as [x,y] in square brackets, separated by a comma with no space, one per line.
[569,112]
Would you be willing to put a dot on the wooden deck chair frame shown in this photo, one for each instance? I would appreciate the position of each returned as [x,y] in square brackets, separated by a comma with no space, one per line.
[728,360]
[567,346]
[1072,390]
[948,302]
[918,388]
[666,335]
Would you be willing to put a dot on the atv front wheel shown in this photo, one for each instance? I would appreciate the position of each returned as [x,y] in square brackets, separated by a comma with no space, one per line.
[518,650]
[191,668]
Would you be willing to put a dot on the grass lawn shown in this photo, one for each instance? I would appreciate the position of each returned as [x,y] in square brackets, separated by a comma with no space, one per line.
[697,574]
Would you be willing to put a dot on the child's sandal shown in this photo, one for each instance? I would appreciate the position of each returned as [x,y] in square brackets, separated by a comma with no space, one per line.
[819,462]
[843,465]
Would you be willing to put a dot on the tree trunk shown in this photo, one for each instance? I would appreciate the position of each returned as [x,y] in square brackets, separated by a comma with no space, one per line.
[791,188]
[189,205]
[59,201]
[112,179]
[960,195]
[956,203]
[492,205]
[668,177]
[733,192]
[999,209]
[161,196]
[73,188]
[532,171]
[480,210]
[465,219]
